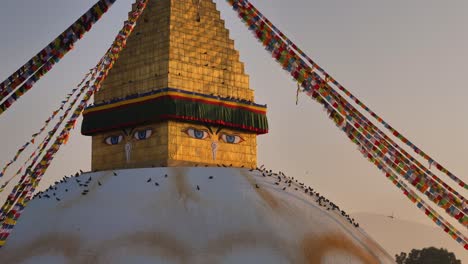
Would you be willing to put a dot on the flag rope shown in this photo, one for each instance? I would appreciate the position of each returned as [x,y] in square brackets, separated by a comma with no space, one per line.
[46,123]
[43,62]
[28,187]
[250,7]
[290,61]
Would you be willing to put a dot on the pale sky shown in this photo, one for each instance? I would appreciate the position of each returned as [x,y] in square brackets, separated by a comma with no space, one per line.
[407,60]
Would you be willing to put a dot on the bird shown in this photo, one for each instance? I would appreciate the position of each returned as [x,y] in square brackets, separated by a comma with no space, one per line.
[99,183]
[198,187]
[157,184]
[256,186]
[149,180]
[115,174]
[211,177]
[165,176]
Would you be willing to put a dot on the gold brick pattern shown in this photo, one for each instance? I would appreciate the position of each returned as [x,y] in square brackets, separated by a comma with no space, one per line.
[196,151]
[171,47]
[151,152]
[143,64]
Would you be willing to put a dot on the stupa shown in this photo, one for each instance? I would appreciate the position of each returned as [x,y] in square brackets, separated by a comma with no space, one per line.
[177,96]
[174,166]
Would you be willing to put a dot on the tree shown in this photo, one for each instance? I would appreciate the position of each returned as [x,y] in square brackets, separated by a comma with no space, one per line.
[429,255]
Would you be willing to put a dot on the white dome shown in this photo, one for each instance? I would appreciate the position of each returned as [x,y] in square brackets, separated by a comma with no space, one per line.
[185,215]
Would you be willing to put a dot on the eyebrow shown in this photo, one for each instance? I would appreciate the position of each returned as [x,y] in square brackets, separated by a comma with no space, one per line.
[209,128]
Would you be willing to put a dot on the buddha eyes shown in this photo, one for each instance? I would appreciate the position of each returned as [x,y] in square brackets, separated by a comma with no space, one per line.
[231,139]
[138,135]
[143,134]
[197,134]
[204,134]
[114,140]
[191,132]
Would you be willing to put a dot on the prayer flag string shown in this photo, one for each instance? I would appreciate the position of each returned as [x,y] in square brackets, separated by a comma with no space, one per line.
[46,123]
[29,185]
[43,62]
[41,147]
[256,15]
[412,173]
[15,194]
[300,71]
[291,62]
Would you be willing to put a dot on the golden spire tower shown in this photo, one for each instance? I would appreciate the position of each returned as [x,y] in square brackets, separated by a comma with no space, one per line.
[177,96]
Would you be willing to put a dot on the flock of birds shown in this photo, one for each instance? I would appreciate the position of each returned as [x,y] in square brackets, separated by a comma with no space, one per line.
[137,95]
[280,179]
[286,182]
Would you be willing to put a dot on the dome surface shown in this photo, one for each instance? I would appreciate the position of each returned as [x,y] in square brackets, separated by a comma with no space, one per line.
[186,215]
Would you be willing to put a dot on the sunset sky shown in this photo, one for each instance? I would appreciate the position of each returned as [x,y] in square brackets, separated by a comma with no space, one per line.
[407,60]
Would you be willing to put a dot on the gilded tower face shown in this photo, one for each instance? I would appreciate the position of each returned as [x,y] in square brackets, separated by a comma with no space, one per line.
[213,145]
[190,144]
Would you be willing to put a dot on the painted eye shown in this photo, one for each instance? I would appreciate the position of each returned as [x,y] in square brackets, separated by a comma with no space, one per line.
[231,139]
[197,134]
[143,134]
[114,140]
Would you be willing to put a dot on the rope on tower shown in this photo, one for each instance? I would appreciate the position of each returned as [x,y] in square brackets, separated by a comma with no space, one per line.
[23,191]
[275,44]
[423,206]
[46,123]
[257,15]
[43,62]
[413,173]
[15,194]
[422,181]
[410,165]
[41,147]
[288,68]
[268,35]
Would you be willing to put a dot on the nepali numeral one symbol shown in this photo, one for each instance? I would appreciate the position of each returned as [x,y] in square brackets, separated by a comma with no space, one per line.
[214,149]
[128,150]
